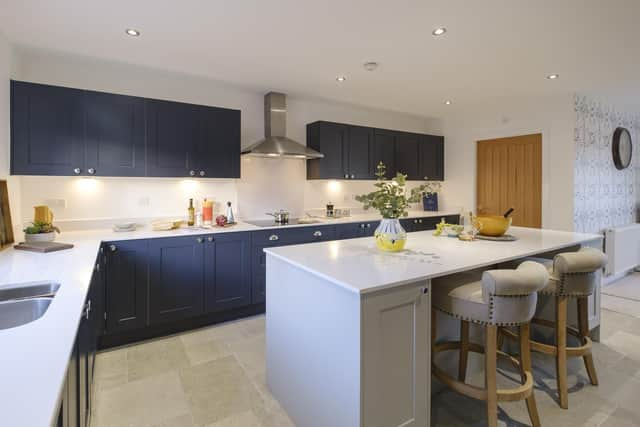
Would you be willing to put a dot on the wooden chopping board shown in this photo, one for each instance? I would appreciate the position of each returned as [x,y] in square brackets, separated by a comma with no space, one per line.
[42,247]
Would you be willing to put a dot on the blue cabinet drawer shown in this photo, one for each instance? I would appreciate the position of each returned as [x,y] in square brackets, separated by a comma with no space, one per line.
[293,236]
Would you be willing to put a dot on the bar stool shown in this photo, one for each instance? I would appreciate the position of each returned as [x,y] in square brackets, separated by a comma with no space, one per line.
[573,275]
[500,298]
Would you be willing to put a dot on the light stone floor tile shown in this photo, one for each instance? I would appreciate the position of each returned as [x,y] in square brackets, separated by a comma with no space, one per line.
[218,390]
[146,402]
[155,357]
[215,377]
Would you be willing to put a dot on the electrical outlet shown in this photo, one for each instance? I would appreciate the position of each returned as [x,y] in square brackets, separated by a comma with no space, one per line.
[144,201]
[56,203]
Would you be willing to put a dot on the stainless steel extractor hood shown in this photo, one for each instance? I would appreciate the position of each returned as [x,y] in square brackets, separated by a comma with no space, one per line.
[275,142]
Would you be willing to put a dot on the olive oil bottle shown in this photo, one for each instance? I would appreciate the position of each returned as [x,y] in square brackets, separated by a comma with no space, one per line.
[192,214]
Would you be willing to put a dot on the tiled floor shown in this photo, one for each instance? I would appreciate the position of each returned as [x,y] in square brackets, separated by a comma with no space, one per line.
[623,296]
[216,377]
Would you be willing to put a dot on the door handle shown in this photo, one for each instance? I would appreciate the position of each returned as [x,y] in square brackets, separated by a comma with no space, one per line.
[346,175]
[273,237]
[87,309]
[209,239]
[192,173]
[113,248]
[199,240]
[202,173]
[91,171]
[317,233]
[77,171]
[368,225]
[353,176]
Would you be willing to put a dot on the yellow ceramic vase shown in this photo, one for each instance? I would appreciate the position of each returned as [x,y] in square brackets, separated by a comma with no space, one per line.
[390,236]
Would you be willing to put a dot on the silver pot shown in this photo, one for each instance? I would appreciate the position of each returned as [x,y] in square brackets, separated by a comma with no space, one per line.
[281,216]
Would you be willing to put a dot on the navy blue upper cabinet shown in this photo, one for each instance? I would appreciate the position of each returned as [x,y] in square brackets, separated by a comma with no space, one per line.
[173,132]
[347,151]
[431,158]
[227,271]
[407,154]
[176,278]
[126,279]
[115,135]
[384,150]
[64,131]
[46,130]
[218,150]
[331,140]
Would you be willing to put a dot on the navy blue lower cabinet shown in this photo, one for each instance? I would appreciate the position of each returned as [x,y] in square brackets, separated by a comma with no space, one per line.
[227,271]
[176,278]
[279,237]
[355,230]
[126,277]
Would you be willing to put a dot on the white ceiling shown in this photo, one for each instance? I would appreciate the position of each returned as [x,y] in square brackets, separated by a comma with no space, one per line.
[493,48]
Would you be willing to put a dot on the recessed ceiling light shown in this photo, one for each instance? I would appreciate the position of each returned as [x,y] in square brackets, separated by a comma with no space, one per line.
[131,32]
[553,76]
[341,78]
[439,31]
[447,102]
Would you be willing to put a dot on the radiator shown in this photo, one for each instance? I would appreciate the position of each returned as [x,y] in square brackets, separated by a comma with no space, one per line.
[622,245]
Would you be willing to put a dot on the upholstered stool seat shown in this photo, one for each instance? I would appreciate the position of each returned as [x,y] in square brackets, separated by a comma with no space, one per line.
[491,298]
[572,275]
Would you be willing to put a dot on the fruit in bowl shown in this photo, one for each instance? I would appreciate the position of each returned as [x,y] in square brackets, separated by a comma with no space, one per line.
[221,220]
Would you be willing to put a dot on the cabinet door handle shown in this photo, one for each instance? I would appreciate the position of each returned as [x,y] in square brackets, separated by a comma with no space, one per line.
[346,175]
[368,225]
[353,176]
[420,221]
[199,240]
[98,267]
[361,225]
[87,309]
[274,237]
[415,221]
[317,233]
[91,171]
[202,173]
[77,171]
[192,173]
[426,178]
[113,248]
[209,239]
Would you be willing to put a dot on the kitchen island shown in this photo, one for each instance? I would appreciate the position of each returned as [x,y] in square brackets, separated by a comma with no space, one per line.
[348,326]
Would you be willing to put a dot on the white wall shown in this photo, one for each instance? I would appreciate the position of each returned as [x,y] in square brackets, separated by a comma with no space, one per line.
[266,184]
[554,117]
[13,183]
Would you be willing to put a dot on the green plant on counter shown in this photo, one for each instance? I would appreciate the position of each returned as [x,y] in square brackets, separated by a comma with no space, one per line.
[391,198]
[432,187]
[441,226]
[39,227]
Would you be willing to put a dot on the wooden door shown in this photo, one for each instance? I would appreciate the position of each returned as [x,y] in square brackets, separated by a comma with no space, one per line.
[510,175]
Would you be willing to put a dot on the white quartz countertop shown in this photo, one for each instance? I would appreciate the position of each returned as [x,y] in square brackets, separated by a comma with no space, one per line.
[358,266]
[34,357]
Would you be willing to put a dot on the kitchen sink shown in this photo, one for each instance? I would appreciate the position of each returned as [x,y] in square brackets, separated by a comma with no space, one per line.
[28,290]
[20,312]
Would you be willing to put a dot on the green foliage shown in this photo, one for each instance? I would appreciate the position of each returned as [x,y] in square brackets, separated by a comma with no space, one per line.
[391,198]
[39,227]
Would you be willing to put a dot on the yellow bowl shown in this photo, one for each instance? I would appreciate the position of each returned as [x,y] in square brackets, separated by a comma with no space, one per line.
[493,225]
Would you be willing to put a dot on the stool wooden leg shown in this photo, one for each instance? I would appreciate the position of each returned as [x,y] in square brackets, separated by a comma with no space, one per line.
[583,328]
[464,350]
[525,366]
[490,375]
[561,344]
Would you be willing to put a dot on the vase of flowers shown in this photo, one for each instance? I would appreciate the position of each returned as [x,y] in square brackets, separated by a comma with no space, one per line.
[392,201]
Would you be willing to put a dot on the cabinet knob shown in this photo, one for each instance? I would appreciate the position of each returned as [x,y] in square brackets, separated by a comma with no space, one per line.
[192,173]
[426,178]
[91,171]
[361,225]
[209,239]
[274,237]
[112,248]
[98,266]
[353,176]
[77,171]
[199,240]
[415,221]
[346,175]
[87,310]
[368,225]
[317,233]
[202,173]
[420,221]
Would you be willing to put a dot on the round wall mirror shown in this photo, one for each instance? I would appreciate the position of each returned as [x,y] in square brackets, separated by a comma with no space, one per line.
[622,148]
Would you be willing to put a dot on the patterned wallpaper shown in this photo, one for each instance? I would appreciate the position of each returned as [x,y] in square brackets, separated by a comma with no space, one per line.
[603,195]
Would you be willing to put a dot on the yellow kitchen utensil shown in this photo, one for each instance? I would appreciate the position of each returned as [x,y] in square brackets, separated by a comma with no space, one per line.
[42,214]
